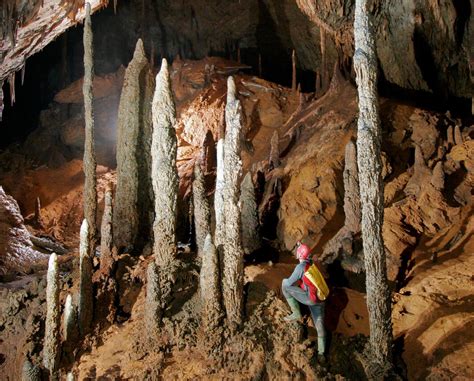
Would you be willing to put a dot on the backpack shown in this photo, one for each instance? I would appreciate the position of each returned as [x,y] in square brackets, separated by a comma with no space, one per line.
[314,280]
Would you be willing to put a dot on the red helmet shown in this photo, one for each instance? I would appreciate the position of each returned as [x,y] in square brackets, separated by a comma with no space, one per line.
[303,251]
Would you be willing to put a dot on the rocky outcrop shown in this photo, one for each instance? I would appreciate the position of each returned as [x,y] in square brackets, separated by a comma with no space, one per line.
[17,253]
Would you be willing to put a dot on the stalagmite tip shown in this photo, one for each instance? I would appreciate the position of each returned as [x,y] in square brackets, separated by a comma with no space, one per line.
[230,89]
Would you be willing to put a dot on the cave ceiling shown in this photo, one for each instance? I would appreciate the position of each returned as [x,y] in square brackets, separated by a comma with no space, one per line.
[421,45]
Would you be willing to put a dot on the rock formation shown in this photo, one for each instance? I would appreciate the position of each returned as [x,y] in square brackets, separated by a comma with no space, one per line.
[249,216]
[437,180]
[51,351]
[371,193]
[202,214]
[164,173]
[85,286]
[90,164]
[421,174]
[210,294]
[133,142]
[233,253]
[106,236]
[16,248]
[153,310]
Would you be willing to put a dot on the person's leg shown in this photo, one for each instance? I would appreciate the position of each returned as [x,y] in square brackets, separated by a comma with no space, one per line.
[288,292]
[317,313]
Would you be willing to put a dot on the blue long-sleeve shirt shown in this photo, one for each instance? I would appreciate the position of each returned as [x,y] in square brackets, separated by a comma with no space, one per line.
[297,273]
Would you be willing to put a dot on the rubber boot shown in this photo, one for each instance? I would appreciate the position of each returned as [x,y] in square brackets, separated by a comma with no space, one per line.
[295,309]
[321,349]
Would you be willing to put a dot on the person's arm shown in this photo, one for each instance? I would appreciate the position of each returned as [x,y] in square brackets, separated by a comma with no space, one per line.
[297,274]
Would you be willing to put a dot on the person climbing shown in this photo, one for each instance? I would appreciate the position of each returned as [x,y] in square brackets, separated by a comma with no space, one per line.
[306,293]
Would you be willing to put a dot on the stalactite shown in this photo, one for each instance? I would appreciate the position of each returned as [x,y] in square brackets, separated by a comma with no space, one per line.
[201,209]
[153,310]
[106,233]
[30,372]
[324,73]
[85,286]
[293,73]
[1,101]
[165,177]
[51,351]
[233,253]
[23,69]
[11,82]
[115,7]
[210,296]
[69,320]
[90,164]
[133,130]
[248,206]
[274,160]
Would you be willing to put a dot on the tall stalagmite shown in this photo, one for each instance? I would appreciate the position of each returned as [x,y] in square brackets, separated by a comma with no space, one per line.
[202,214]
[85,286]
[153,309]
[51,351]
[209,289]
[233,253]
[371,192]
[90,164]
[351,189]
[165,177]
[219,234]
[106,235]
[248,206]
[69,320]
[133,144]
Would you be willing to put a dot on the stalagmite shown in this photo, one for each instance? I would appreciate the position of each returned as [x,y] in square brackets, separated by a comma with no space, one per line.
[69,320]
[90,164]
[293,72]
[208,153]
[219,234]
[37,218]
[369,164]
[85,286]
[209,289]
[318,82]
[106,236]
[274,161]
[202,214]
[248,206]
[70,376]
[457,135]
[233,253]
[351,190]
[450,136]
[30,372]
[153,309]
[165,177]
[133,125]
[51,351]
[437,180]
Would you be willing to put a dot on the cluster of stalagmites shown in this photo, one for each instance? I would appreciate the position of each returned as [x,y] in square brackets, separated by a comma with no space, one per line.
[147,174]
